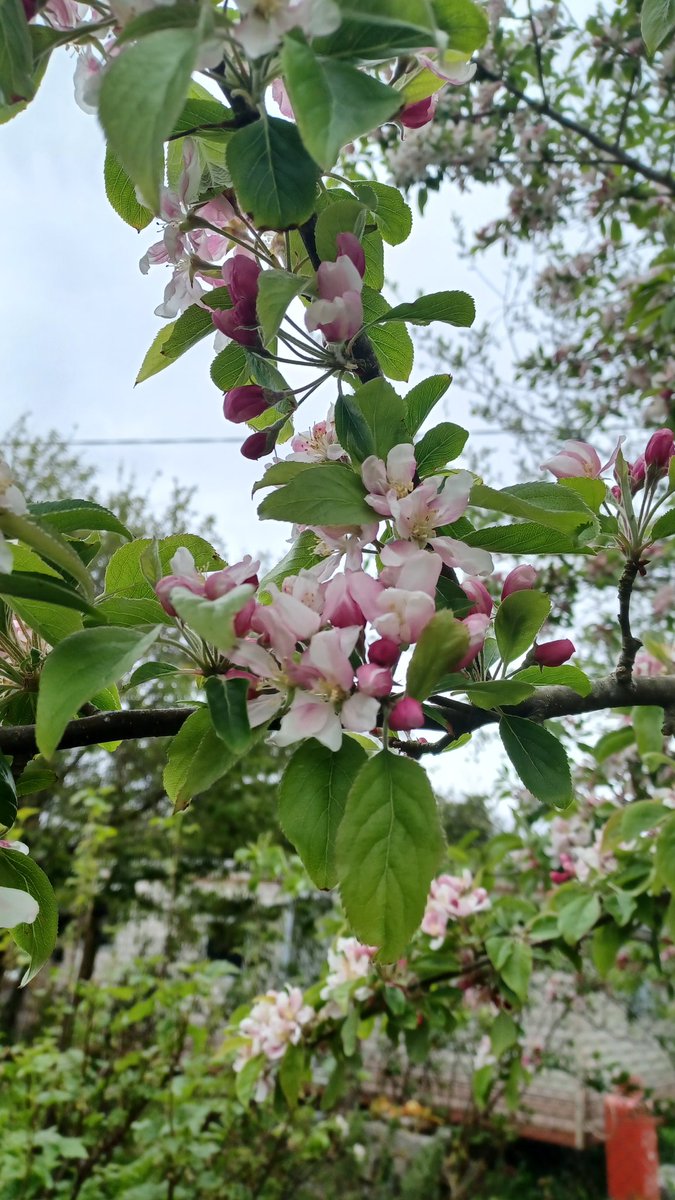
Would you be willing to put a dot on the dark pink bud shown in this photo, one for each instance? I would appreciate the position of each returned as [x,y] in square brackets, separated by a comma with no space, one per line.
[477,592]
[243,619]
[245,403]
[385,652]
[616,492]
[660,449]
[30,7]
[414,116]
[257,445]
[636,473]
[406,714]
[240,273]
[164,586]
[520,579]
[374,680]
[349,244]
[239,323]
[554,654]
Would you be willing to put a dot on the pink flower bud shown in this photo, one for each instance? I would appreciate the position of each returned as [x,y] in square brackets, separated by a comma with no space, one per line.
[239,323]
[385,652]
[257,445]
[554,654]
[414,116]
[477,625]
[374,680]
[348,243]
[520,579]
[477,592]
[636,473]
[245,403]
[660,449]
[164,587]
[240,274]
[406,714]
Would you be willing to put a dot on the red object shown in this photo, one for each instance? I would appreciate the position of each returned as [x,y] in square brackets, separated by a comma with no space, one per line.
[631,1149]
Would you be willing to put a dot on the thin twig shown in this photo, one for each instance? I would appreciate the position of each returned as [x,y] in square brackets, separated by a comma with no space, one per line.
[629,644]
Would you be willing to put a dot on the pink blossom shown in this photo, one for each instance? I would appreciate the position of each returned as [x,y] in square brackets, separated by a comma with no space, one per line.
[403,615]
[579,460]
[285,621]
[520,579]
[240,322]
[391,481]
[318,444]
[451,897]
[307,588]
[456,554]
[479,596]
[275,1021]
[281,99]
[350,597]
[348,243]
[555,653]
[263,26]
[374,680]
[183,574]
[414,116]
[406,566]
[349,961]
[406,714]
[338,541]
[437,501]
[325,667]
[338,312]
[477,625]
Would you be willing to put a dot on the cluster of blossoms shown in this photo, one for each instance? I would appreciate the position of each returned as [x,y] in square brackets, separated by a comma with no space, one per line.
[577,847]
[579,460]
[11,501]
[349,962]
[276,1021]
[451,898]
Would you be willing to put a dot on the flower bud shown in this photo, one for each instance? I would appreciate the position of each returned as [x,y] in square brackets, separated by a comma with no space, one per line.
[660,449]
[554,654]
[245,403]
[348,243]
[636,473]
[255,446]
[520,579]
[164,587]
[477,625]
[374,680]
[385,652]
[477,592]
[414,116]
[406,714]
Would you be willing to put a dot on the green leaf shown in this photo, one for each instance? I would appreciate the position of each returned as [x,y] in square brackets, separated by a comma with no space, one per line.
[657,21]
[8,798]
[177,337]
[389,845]
[39,938]
[441,645]
[197,758]
[246,1079]
[122,610]
[174,16]
[592,491]
[121,194]
[648,725]
[352,429]
[465,23]
[578,916]
[51,622]
[16,54]
[300,557]
[525,538]
[76,669]
[379,29]
[607,940]
[565,676]
[312,800]
[229,714]
[35,778]
[149,671]
[273,175]
[276,289]
[49,545]
[503,1034]
[293,1072]
[212,620]
[423,398]
[326,494]
[333,103]
[392,343]
[665,526]
[229,367]
[513,960]
[546,503]
[45,589]
[392,214]
[142,95]
[539,760]
[341,215]
[124,575]
[75,516]
[665,855]
[613,742]
[454,308]
[438,447]
[384,413]
[495,693]
[519,618]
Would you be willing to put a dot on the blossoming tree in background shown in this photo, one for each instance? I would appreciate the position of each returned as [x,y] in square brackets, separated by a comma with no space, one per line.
[388,633]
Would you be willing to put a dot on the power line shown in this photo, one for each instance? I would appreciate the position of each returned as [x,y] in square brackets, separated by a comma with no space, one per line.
[232,441]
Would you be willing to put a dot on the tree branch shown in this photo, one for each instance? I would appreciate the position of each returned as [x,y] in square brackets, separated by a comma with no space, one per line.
[663,178]
[548,702]
[629,644]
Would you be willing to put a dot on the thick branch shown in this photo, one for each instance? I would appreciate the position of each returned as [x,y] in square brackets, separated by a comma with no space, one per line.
[548,702]
[616,154]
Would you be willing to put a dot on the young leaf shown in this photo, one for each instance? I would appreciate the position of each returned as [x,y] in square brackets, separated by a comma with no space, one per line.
[229,367]
[665,526]
[37,939]
[465,23]
[528,537]
[539,759]
[392,214]
[312,800]
[142,95]
[121,194]
[50,621]
[393,344]
[16,54]
[497,692]
[125,577]
[352,429]
[565,676]
[343,215]
[45,589]
[657,21]
[384,413]
[76,516]
[276,289]
[546,503]
[379,29]
[389,846]
[213,620]
[423,398]
[438,447]
[519,618]
[578,916]
[326,494]
[229,714]
[49,545]
[441,645]
[76,669]
[333,102]
[454,308]
[273,175]
[197,758]
[8,800]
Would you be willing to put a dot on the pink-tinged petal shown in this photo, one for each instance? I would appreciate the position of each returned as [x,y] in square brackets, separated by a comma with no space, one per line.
[471,559]
[374,475]
[359,713]
[555,653]
[613,456]
[258,660]
[329,652]
[17,908]
[403,615]
[366,592]
[338,319]
[453,497]
[349,245]
[334,279]
[263,708]
[401,464]
[576,460]
[451,72]
[281,99]
[374,680]
[477,625]
[306,718]
[381,504]
[479,596]
[520,579]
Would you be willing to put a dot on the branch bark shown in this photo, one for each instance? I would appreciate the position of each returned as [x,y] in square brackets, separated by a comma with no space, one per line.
[629,644]
[548,702]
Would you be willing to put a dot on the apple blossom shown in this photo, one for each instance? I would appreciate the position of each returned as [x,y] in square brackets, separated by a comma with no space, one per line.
[451,897]
[349,961]
[265,22]
[402,615]
[318,444]
[348,243]
[349,597]
[183,574]
[240,322]
[477,592]
[520,579]
[390,481]
[405,566]
[338,312]
[477,625]
[553,654]
[579,460]
[285,621]
[437,501]
[374,680]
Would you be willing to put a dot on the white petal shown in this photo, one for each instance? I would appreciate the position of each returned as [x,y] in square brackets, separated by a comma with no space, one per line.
[17,908]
